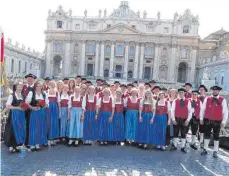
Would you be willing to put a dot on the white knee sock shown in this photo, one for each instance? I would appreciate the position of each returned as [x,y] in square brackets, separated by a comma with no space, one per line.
[183,142]
[201,137]
[216,146]
[193,139]
[206,143]
[37,146]
[175,141]
[76,142]
[70,142]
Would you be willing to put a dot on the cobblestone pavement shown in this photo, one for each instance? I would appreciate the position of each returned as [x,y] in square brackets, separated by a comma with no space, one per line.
[111,161]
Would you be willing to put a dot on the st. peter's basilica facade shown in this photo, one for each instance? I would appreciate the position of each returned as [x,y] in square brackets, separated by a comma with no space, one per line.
[124,45]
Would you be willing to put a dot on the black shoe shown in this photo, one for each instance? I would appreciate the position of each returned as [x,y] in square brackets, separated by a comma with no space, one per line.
[204,152]
[33,149]
[69,145]
[17,150]
[184,150]
[162,149]
[194,146]
[202,145]
[37,149]
[215,154]
[76,145]
[173,148]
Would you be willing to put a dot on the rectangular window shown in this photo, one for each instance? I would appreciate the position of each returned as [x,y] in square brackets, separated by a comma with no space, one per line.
[12,65]
[107,59]
[59,24]
[25,67]
[19,67]
[89,58]
[89,69]
[222,79]
[131,60]
[77,26]
[166,30]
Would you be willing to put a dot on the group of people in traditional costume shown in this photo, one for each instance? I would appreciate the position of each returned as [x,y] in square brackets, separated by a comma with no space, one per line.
[73,111]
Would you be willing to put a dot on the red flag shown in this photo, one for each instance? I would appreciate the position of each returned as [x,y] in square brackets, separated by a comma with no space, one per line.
[2,48]
[3,78]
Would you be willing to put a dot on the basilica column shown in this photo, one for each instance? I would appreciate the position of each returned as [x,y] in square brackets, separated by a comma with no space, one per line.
[82,61]
[66,61]
[141,61]
[48,64]
[111,74]
[96,71]
[126,61]
[172,63]
[156,63]
[193,64]
[136,62]
[101,69]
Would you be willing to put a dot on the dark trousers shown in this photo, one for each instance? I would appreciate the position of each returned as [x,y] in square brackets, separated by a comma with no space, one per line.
[195,125]
[208,126]
[27,118]
[180,127]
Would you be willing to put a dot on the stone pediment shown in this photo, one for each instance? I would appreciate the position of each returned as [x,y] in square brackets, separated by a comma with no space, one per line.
[122,29]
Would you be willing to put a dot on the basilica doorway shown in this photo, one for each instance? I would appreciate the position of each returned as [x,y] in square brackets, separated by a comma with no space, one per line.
[57,65]
[182,72]
[147,73]
[118,71]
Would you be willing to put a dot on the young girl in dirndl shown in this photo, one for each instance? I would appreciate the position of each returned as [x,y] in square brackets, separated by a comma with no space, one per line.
[37,126]
[145,115]
[64,103]
[118,120]
[76,116]
[53,113]
[90,123]
[106,112]
[159,121]
[15,134]
[131,117]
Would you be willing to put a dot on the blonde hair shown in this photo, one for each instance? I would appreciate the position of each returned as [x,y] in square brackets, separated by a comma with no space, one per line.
[107,89]
[151,97]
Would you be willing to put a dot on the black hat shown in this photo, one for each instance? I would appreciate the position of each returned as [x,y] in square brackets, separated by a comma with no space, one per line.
[164,89]
[135,82]
[181,90]
[123,85]
[216,88]
[196,91]
[130,85]
[116,82]
[156,87]
[203,86]
[47,79]
[147,84]
[78,76]
[152,81]
[65,79]
[188,84]
[88,82]
[30,75]
[99,80]
[83,79]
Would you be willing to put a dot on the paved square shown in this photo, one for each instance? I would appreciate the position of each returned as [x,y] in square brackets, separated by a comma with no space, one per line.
[111,161]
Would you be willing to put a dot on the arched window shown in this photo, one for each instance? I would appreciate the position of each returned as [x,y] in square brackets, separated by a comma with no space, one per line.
[106,73]
[108,49]
[131,51]
[76,48]
[119,50]
[186,29]
[148,51]
[130,74]
[91,48]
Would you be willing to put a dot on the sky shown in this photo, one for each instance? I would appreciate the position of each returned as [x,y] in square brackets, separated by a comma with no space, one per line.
[25,20]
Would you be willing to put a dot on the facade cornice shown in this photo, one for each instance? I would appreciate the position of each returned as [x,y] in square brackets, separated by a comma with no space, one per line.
[218,62]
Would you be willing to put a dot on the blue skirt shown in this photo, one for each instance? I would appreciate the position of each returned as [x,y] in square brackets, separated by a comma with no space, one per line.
[90,129]
[75,125]
[144,128]
[105,127]
[53,121]
[119,127]
[158,132]
[63,121]
[37,128]
[19,125]
[131,119]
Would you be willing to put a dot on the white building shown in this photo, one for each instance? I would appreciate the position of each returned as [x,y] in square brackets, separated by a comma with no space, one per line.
[20,61]
[124,44]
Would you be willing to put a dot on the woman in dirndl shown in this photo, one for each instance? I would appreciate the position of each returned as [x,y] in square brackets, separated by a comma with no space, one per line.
[37,101]
[145,115]
[15,133]
[131,117]
[159,121]
[106,113]
[90,123]
[59,86]
[53,113]
[118,120]
[64,102]
[76,117]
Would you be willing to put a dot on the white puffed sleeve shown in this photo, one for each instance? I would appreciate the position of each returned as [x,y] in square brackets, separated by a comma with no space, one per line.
[29,97]
[84,103]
